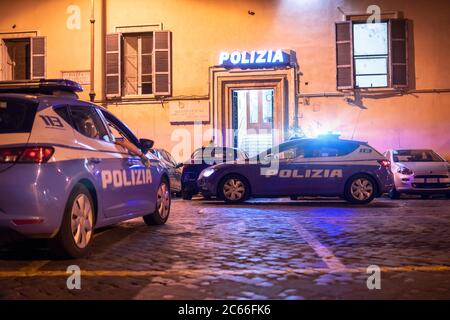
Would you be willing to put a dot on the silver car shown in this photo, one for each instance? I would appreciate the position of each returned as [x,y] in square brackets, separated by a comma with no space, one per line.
[418,171]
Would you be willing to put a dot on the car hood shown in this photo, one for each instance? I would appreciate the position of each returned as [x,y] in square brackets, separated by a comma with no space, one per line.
[426,168]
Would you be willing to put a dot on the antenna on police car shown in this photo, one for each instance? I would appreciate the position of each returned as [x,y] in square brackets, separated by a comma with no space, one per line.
[356,123]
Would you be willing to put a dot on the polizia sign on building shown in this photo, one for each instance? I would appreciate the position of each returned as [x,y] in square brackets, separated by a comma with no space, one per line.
[255,58]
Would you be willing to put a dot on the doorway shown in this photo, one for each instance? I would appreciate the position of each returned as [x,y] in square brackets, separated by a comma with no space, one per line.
[252,119]
[274,92]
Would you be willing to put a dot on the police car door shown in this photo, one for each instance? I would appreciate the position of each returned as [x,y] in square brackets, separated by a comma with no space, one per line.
[102,157]
[323,168]
[283,177]
[135,186]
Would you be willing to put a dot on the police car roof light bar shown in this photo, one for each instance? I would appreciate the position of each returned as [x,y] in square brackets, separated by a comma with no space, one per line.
[45,86]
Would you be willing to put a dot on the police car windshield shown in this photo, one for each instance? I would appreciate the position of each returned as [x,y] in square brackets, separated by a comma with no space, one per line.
[416,156]
[16,116]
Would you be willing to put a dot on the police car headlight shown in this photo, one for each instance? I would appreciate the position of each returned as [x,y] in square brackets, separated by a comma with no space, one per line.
[207,172]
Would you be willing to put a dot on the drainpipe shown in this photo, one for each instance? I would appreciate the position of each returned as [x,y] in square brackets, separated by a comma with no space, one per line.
[92,87]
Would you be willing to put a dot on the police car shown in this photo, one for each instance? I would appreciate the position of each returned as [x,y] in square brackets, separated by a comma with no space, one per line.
[325,166]
[62,174]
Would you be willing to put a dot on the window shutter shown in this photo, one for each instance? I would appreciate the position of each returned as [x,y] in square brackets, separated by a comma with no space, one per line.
[37,56]
[344,55]
[112,59]
[3,55]
[398,35]
[162,63]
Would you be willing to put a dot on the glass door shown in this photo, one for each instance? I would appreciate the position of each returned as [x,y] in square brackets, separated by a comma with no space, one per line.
[253,119]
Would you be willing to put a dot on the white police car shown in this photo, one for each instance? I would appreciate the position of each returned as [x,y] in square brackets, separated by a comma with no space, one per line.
[61,173]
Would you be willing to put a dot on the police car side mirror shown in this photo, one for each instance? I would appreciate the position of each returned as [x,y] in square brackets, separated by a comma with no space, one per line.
[146,144]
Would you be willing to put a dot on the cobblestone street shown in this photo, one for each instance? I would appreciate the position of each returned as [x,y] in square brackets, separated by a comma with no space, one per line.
[265,249]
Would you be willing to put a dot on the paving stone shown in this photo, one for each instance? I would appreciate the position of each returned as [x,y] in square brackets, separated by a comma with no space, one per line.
[253,251]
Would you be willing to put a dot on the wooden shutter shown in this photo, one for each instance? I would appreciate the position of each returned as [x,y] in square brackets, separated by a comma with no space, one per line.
[162,63]
[3,60]
[37,56]
[398,53]
[344,55]
[112,68]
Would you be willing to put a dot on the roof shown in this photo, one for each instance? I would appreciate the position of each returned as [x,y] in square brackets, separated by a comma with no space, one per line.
[53,91]
[21,96]
[334,138]
[46,100]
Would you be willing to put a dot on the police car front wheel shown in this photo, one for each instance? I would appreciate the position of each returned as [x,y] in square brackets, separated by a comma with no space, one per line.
[360,189]
[234,189]
[75,235]
[162,210]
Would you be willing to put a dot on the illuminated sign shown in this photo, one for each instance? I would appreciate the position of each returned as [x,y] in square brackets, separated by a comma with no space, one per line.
[254,59]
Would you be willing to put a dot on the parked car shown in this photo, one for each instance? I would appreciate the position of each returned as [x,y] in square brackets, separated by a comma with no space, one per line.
[418,171]
[325,166]
[203,158]
[61,173]
[173,168]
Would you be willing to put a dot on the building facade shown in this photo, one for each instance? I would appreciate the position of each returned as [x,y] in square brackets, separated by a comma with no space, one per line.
[246,73]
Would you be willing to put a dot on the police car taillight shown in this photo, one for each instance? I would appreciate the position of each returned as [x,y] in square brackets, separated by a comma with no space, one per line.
[26,154]
[385,163]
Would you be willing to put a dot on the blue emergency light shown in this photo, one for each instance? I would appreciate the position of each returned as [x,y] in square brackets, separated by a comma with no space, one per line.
[43,86]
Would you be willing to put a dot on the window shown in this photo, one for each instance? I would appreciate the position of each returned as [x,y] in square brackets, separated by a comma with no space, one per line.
[16,116]
[416,156]
[372,55]
[241,155]
[22,58]
[329,149]
[117,128]
[63,112]
[321,151]
[87,122]
[211,155]
[115,132]
[259,108]
[287,151]
[168,157]
[138,64]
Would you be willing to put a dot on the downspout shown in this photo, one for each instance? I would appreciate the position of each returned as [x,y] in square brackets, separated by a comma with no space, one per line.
[102,50]
[92,78]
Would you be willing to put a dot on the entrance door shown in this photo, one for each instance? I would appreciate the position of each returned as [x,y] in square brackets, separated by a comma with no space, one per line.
[253,119]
